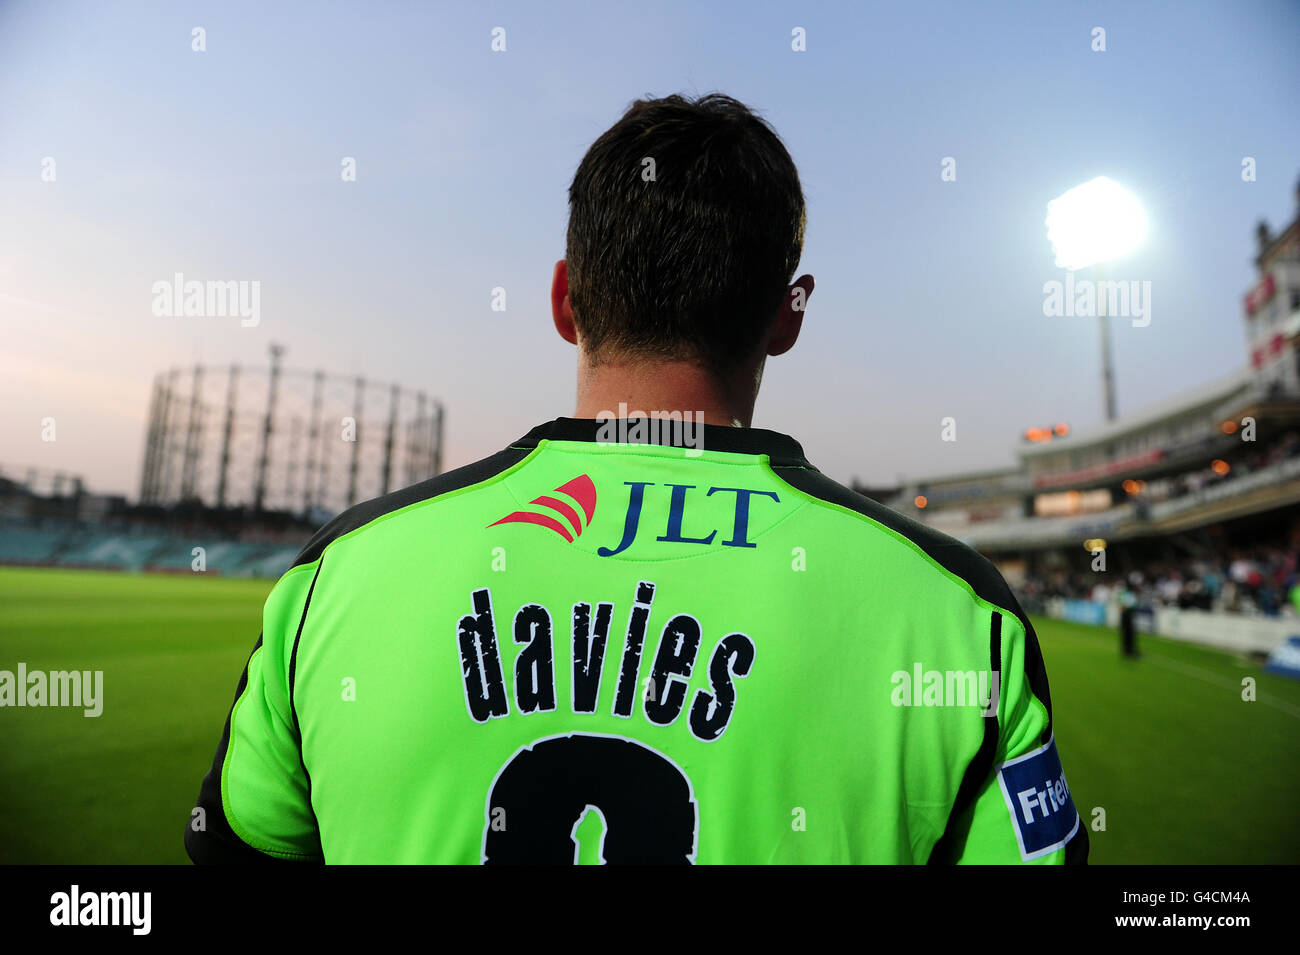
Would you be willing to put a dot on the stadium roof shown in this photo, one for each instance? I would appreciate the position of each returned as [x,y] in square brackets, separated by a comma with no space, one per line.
[1213,391]
[988,474]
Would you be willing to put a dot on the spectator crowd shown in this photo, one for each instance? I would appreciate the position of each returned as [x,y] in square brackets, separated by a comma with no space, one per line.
[1260,579]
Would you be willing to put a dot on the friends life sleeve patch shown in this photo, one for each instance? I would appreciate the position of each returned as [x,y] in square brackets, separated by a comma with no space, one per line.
[1042,809]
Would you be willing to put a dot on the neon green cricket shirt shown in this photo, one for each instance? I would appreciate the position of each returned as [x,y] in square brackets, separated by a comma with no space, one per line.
[587,650]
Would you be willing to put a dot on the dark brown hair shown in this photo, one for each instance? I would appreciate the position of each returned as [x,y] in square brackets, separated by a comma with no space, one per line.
[695,262]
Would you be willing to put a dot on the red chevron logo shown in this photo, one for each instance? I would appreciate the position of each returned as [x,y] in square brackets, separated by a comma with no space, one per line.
[580,489]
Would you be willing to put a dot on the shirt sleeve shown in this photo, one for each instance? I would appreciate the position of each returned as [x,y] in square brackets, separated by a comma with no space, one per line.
[255,802]
[1023,810]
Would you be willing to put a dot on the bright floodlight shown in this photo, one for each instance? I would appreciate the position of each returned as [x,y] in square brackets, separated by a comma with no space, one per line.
[1091,223]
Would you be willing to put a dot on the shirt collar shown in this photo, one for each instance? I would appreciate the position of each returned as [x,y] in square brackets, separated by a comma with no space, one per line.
[781,449]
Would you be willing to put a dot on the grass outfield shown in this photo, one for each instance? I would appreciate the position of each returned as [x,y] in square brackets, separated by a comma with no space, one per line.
[1186,771]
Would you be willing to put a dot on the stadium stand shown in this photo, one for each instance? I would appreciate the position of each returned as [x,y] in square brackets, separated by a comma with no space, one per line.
[1193,504]
[20,545]
[49,520]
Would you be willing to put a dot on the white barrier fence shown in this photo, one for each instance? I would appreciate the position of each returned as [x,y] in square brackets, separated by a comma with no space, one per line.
[1224,631]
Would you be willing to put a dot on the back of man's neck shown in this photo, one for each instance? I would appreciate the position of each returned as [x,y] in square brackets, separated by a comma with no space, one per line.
[660,389]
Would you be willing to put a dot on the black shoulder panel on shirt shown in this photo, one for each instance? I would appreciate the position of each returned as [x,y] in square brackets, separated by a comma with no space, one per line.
[955,557]
[367,511]
[216,843]
[219,843]
[987,582]
[953,840]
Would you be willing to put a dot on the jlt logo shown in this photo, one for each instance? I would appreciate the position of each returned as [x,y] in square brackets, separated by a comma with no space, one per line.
[676,514]
[580,489]
[583,491]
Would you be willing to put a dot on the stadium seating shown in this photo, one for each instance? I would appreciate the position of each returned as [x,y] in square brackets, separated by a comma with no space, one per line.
[27,546]
[117,551]
[72,546]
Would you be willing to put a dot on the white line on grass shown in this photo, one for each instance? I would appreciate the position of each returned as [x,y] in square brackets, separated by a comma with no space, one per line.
[1208,677]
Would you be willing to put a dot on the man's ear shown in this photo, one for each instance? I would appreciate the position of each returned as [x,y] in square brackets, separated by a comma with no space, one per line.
[561,312]
[789,319]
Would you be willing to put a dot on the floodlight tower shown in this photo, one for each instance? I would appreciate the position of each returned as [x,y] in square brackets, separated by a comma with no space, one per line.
[1089,226]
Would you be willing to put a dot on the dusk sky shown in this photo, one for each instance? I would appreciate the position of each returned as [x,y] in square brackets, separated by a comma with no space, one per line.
[225,165]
